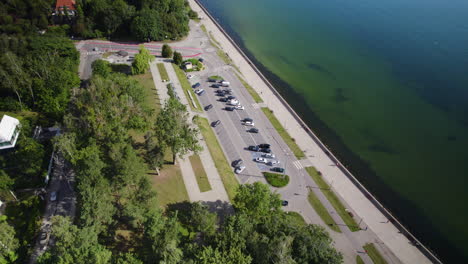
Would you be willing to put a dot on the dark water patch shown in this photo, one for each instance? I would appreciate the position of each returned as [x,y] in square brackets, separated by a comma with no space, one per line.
[285,60]
[451,138]
[382,149]
[339,96]
[320,69]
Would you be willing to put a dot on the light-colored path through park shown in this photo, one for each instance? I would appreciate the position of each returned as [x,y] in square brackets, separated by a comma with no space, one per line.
[217,192]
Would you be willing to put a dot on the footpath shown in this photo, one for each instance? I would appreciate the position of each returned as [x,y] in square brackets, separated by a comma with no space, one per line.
[217,192]
[371,216]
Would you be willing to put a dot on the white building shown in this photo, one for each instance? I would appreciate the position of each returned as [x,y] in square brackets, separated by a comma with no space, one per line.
[9,131]
[188,65]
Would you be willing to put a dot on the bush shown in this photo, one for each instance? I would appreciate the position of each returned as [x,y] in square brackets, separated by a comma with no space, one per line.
[276,180]
[10,104]
[177,58]
[192,14]
[166,51]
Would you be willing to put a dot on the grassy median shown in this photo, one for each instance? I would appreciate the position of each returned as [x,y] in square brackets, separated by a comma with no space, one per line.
[322,211]
[276,179]
[374,254]
[296,218]
[187,89]
[251,90]
[221,163]
[359,260]
[163,72]
[333,199]
[283,133]
[200,173]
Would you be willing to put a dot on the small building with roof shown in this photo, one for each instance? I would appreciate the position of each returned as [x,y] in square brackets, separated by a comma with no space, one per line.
[9,131]
[68,6]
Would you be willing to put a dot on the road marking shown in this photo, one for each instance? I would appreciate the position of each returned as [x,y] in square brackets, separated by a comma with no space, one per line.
[298,164]
[255,106]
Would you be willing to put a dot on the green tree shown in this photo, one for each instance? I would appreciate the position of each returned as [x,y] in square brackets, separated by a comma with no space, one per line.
[74,245]
[192,14]
[154,152]
[166,51]
[5,181]
[213,256]
[101,67]
[8,242]
[177,58]
[148,26]
[257,201]
[126,258]
[141,62]
[173,130]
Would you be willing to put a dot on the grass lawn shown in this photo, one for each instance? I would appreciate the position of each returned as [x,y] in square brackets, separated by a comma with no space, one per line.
[333,199]
[169,185]
[187,89]
[162,72]
[251,90]
[296,218]
[222,165]
[322,211]
[276,179]
[200,173]
[359,260]
[374,254]
[151,95]
[284,134]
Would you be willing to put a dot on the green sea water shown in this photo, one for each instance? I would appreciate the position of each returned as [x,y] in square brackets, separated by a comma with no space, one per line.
[389,81]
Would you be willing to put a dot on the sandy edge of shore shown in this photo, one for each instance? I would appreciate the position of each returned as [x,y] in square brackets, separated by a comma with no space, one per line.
[349,192]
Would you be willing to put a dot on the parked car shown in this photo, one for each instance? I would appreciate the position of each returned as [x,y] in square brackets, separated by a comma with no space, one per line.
[237,163]
[53,196]
[199,91]
[273,162]
[253,148]
[43,238]
[239,107]
[284,203]
[247,119]
[239,169]
[215,123]
[249,123]
[223,99]
[269,155]
[233,101]
[227,91]
[200,59]
[261,160]
[229,108]
[264,145]
[196,85]
[208,107]
[253,130]
[230,97]
[277,169]
[265,150]
[190,76]
[215,85]
[225,84]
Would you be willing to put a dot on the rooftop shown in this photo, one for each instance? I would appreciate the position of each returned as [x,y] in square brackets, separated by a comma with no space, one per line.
[61,4]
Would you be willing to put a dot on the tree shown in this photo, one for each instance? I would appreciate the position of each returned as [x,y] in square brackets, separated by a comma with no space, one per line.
[177,58]
[162,240]
[148,26]
[74,245]
[101,67]
[5,181]
[192,14]
[126,258]
[166,51]
[172,129]
[214,256]
[141,62]
[8,242]
[257,201]
[154,152]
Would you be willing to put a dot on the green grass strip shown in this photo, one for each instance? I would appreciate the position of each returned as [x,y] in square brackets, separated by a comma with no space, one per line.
[359,260]
[251,90]
[221,163]
[322,211]
[283,133]
[374,254]
[276,179]
[187,89]
[333,199]
[162,72]
[200,173]
[296,218]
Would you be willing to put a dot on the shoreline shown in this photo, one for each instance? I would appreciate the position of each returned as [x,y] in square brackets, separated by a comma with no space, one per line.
[360,190]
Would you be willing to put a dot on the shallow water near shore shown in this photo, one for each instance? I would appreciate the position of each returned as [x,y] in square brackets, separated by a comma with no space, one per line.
[385,85]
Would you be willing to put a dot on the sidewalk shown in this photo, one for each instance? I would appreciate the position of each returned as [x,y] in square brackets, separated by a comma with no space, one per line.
[372,217]
[217,191]
[161,87]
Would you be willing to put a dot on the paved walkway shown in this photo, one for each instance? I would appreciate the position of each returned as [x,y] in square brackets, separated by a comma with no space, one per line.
[217,192]
[372,217]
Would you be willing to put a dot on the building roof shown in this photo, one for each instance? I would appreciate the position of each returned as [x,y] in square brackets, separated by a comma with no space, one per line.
[69,4]
[7,127]
[123,53]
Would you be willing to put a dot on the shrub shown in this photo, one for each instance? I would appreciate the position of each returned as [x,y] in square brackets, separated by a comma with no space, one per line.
[166,51]
[276,180]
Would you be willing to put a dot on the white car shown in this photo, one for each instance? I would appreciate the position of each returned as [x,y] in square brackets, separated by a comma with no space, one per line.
[269,155]
[53,196]
[240,169]
[261,160]
[199,91]
[234,102]
[190,76]
[239,107]
[273,162]
[249,123]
